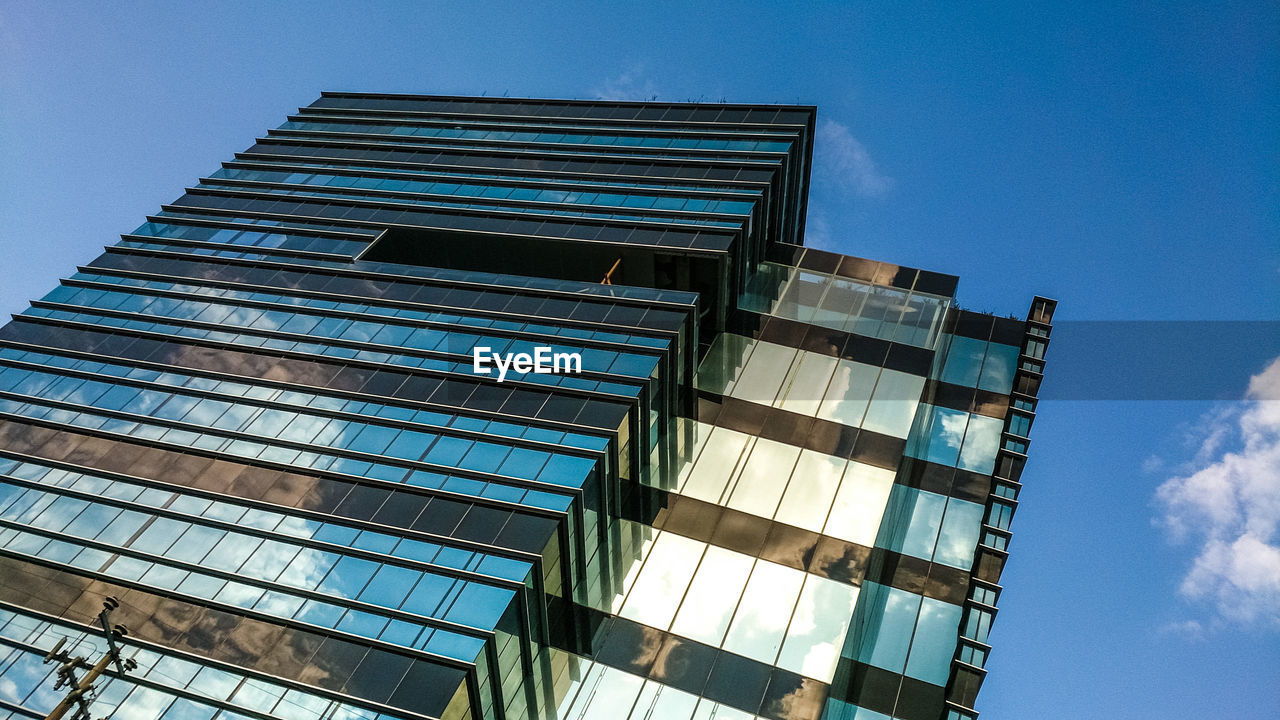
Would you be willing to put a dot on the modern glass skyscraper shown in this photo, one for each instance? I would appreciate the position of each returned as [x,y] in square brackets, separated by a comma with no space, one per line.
[777,483]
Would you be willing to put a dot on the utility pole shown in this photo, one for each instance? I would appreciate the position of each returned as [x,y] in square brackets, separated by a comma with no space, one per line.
[80,695]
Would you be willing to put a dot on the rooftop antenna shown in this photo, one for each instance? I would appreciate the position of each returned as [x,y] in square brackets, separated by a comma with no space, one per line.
[80,694]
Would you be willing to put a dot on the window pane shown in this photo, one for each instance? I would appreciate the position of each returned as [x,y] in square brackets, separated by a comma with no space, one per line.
[997,369]
[812,489]
[663,580]
[959,535]
[964,360]
[934,642]
[915,517]
[714,593]
[847,396]
[715,464]
[860,503]
[764,373]
[981,441]
[893,405]
[807,382]
[817,630]
[891,613]
[764,477]
[761,620]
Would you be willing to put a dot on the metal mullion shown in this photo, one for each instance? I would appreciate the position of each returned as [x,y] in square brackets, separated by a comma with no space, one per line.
[535,560]
[302,139]
[221,606]
[272,585]
[138,680]
[244,672]
[530,182]
[374,347]
[589,343]
[567,103]
[346,394]
[59,322]
[385,204]
[419,535]
[588,150]
[284,467]
[398,194]
[524,638]
[645,303]
[184,242]
[303,447]
[94,499]
[264,585]
[532,205]
[631,124]
[630,151]
[394,165]
[495,681]
[316,232]
[273,405]
[550,101]
[566,124]
[458,212]
[14,707]
[986,585]
[438,623]
[669,335]
[353,227]
[981,671]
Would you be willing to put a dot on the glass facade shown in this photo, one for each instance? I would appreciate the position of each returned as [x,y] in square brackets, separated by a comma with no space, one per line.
[778,485]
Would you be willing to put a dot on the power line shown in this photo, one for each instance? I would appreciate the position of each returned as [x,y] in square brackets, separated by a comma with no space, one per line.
[81,693]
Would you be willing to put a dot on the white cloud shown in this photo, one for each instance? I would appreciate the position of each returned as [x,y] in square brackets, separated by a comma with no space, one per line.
[632,84]
[1153,464]
[817,231]
[1230,507]
[1189,629]
[953,429]
[842,161]
[9,690]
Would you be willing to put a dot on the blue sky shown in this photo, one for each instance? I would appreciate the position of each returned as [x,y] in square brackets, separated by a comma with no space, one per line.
[1122,160]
